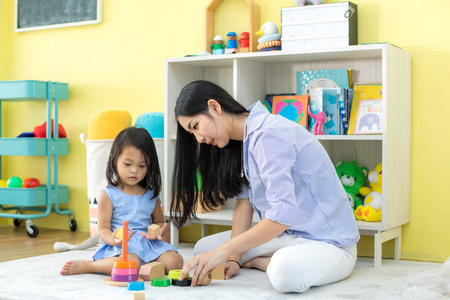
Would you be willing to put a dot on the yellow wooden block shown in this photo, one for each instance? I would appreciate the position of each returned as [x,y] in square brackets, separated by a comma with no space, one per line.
[119,233]
[218,272]
[139,295]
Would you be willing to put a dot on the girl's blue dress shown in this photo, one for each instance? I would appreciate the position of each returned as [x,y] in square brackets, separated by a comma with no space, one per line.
[137,210]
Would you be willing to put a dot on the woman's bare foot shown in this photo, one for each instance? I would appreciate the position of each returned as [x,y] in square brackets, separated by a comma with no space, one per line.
[259,263]
[73,267]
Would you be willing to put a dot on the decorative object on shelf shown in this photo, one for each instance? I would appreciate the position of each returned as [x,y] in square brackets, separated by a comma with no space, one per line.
[30,183]
[244,42]
[153,122]
[231,43]
[41,130]
[253,22]
[270,38]
[319,26]
[319,120]
[352,177]
[218,46]
[371,211]
[14,182]
[310,2]
[3,183]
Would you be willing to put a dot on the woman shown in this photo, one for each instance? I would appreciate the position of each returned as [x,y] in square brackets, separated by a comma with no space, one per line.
[307,234]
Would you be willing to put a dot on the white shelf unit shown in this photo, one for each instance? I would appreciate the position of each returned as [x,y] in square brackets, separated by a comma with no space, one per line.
[248,77]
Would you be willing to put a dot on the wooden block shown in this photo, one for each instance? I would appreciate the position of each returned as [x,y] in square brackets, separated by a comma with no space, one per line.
[139,295]
[119,233]
[154,229]
[207,279]
[151,270]
[108,281]
[219,272]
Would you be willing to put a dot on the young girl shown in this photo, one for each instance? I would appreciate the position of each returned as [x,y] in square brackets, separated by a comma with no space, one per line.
[132,195]
[307,234]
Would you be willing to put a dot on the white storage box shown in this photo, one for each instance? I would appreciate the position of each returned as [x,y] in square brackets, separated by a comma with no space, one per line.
[319,26]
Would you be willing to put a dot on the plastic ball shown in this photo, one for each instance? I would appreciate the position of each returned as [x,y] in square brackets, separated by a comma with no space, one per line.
[3,183]
[31,183]
[14,182]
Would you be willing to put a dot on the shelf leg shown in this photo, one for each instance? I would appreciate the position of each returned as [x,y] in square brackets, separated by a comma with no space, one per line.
[382,236]
[204,230]
[174,235]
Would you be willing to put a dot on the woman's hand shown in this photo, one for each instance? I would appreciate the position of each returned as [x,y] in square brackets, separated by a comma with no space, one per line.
[158,237]
[231,269]
[203,264]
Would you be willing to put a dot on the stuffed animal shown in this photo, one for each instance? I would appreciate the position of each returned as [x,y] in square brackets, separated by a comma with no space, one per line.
[371,211]
[352,177]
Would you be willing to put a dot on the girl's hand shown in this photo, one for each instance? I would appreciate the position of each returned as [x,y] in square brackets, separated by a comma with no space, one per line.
[231,269]
[158,237]
[203,264]
[118,242]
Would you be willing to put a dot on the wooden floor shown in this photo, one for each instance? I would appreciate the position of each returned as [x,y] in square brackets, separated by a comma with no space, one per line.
[15,243]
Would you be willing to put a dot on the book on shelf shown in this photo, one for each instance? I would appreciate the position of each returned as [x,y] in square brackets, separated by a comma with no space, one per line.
[331,99]
[329,78]
[268,101]
[294,108]
[369,119]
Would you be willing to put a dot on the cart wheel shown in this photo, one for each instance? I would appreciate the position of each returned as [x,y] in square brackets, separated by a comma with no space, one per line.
[17,222]
[73,225]
[33,232]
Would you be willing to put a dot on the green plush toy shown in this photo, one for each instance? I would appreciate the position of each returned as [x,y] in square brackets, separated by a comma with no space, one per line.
[352,177]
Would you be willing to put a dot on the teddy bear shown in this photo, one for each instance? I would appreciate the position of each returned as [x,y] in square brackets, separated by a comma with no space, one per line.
[352,177]
[371,211]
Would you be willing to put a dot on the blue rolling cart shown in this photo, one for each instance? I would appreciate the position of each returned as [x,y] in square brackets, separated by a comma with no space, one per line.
[47,198]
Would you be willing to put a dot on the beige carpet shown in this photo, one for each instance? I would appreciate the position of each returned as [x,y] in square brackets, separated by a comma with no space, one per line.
[38,278]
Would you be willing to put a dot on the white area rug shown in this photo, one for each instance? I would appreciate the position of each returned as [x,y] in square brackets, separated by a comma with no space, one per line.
[38,278]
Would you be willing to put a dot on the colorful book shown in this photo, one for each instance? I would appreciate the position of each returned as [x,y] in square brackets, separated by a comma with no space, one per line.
[348,106]
[316,105]
[331,99]
[268,101]
[294,108]
[334,78]
[362,92]
[369,118]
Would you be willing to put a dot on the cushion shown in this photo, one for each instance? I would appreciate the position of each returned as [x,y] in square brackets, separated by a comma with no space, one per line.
[107,124]
[153,122]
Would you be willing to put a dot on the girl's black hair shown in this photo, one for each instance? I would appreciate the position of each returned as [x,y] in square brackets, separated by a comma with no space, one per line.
[142,140]
[219,168]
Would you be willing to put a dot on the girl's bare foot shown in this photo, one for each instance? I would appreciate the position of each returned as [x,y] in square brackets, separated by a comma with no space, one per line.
[259,263]
[73,267]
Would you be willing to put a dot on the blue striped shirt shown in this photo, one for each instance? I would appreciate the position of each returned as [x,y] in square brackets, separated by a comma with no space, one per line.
[293,181]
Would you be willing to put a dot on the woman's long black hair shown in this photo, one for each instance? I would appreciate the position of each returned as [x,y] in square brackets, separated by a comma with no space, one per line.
[220,168]
[142,140]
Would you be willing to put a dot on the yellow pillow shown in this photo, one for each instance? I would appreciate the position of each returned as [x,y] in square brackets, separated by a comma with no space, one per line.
[107,124]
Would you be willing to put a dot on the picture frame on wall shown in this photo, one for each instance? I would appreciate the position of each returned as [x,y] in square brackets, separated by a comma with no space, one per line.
[47,14]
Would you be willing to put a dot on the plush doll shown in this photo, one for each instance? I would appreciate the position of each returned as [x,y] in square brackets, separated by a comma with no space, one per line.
[353,177]
[371,211]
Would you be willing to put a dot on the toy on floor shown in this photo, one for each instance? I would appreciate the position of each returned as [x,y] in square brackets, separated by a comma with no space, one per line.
[30,183]
[218,272]
[231,43]
[14,182]
[41,130]
[244,42]
[320,120]
[151,270]
[371,211]
[306,2]
[123,270]
[89,243]
[218,46]
[139,295]
[270,39]
[161,282]
[352,177]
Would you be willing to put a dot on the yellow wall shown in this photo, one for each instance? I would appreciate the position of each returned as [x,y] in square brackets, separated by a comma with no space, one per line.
[119,64]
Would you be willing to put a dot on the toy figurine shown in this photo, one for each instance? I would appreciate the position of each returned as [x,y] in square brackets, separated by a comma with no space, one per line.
[353,178]
[372,209]
[270,38]
[244,42]
[217,47]
[305,2]
[320,120]
[231,43]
